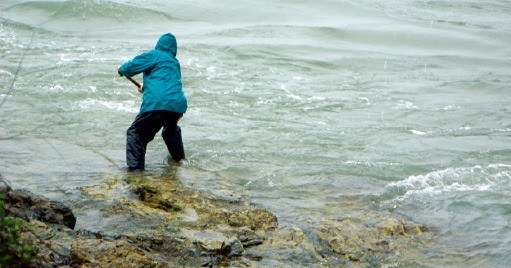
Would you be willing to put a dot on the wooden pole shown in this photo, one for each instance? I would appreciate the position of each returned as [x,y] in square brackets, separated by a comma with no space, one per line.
[137,84]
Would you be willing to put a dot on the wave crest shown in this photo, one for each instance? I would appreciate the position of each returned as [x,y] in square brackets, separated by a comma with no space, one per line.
[493,177]
[82,15]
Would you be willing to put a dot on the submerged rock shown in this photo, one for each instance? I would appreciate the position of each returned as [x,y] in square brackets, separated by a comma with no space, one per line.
[193,229]
[395,227]
[209,231]
[286,246]
[255,219]
[194,209]
[365,241]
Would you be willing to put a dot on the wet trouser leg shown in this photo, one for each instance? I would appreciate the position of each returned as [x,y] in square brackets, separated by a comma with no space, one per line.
[135,151]
[142,131]
[172,136]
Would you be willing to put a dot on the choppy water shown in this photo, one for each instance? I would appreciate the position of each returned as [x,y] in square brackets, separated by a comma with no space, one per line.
[400,105]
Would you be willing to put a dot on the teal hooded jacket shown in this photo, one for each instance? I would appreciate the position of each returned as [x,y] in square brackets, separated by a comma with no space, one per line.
[162,77]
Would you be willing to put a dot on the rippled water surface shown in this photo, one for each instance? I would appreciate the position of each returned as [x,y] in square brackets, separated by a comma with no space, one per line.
[399,105]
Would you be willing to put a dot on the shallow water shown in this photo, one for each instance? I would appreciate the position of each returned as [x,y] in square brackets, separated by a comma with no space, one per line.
[398,105]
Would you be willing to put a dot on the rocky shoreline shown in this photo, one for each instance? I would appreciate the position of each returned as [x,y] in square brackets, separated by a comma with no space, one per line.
[189,228]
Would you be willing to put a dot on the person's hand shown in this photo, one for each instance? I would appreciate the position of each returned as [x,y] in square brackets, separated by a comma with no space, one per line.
[141,88]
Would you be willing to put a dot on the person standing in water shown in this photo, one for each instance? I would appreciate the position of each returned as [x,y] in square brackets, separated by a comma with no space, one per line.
[163,102]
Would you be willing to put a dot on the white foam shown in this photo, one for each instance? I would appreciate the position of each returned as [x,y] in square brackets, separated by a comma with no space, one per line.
[212,73]
[317,98]
[293,96]
[405,105]
[5,72]
[449,108]
[365,99]
[502,130]
[92,104]
[499,166]
[418,132]
[371,164]
[56,88]
[493,177]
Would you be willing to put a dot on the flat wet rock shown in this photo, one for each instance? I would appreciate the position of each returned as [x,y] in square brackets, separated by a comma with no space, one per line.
[212,230]
[161,223]
[104,253]
[366,242]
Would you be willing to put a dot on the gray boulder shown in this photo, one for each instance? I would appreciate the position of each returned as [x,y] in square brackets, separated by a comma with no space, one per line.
[25,205]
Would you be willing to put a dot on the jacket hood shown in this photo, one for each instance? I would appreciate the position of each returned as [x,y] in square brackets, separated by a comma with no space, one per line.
[167,43]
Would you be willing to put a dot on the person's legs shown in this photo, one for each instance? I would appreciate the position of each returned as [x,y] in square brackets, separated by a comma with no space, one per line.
[135,150]
[139,134]
[172,136]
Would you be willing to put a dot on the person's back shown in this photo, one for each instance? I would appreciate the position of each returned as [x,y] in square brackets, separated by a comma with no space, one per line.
[163,101]
[162,77]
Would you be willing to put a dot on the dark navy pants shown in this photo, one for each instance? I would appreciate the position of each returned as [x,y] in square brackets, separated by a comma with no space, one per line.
[143,130]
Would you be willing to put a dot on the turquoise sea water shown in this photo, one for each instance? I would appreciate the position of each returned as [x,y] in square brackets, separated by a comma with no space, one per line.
[398,105]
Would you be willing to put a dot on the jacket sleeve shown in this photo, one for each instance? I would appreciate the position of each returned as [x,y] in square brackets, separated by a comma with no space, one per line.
[140,63]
